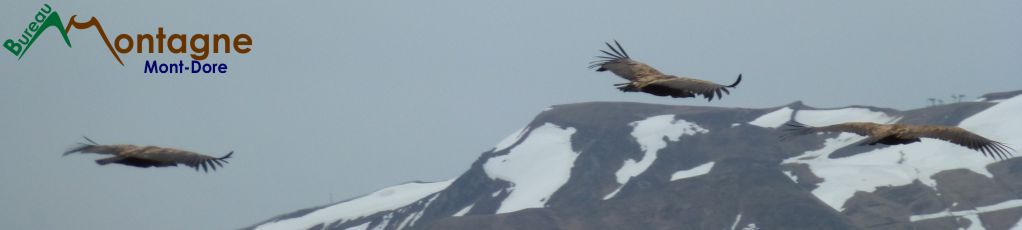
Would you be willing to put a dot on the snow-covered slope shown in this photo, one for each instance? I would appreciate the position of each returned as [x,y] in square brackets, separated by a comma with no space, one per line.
[652,134]
[384,200]
[536,168]
[630,165]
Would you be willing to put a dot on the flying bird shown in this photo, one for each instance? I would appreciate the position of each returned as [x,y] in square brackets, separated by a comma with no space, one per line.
[897,134]
[645,78]
[149,156]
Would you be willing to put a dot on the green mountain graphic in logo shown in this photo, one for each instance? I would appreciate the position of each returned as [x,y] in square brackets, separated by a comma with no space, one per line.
[44,19]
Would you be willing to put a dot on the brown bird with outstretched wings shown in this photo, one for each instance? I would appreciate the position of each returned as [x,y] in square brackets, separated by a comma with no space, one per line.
[645,78]
[149,156]
[896,134]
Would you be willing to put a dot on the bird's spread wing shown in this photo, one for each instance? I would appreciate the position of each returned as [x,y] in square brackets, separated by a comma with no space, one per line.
[964,138]
[191,159]
[793,128]
[618,62]
[687,87]
[101,149]
[861,128]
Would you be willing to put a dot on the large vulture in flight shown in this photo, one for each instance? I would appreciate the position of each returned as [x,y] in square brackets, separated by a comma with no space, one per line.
[644,78]
[149,156]
[896,134]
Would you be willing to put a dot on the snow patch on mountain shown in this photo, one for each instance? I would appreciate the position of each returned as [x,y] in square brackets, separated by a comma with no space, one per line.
[833,116]
[901,164]
[510,140]
[777,118]
[650,134]
[464,211]
[364,226]
[738,219]
[693,172]
[386,199]
[411,219]
[792,176]
[383,223]
[773,119]
[536,168]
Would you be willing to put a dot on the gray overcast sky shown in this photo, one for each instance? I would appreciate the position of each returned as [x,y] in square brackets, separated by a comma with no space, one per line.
[346,97]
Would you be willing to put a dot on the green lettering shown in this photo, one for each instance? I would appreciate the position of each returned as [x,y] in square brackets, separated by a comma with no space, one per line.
[53,20]
[12,46]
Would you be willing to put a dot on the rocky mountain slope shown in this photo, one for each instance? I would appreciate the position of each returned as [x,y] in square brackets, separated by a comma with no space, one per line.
[615,165]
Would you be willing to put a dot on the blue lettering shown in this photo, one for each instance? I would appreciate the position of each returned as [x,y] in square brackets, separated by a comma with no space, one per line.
[208,67]
[150,67]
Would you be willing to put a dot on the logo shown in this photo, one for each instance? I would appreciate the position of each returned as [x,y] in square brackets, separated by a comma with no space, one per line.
[196,46]
[44,19]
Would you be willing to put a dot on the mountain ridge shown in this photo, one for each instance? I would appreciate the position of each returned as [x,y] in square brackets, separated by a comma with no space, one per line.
[609,165]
